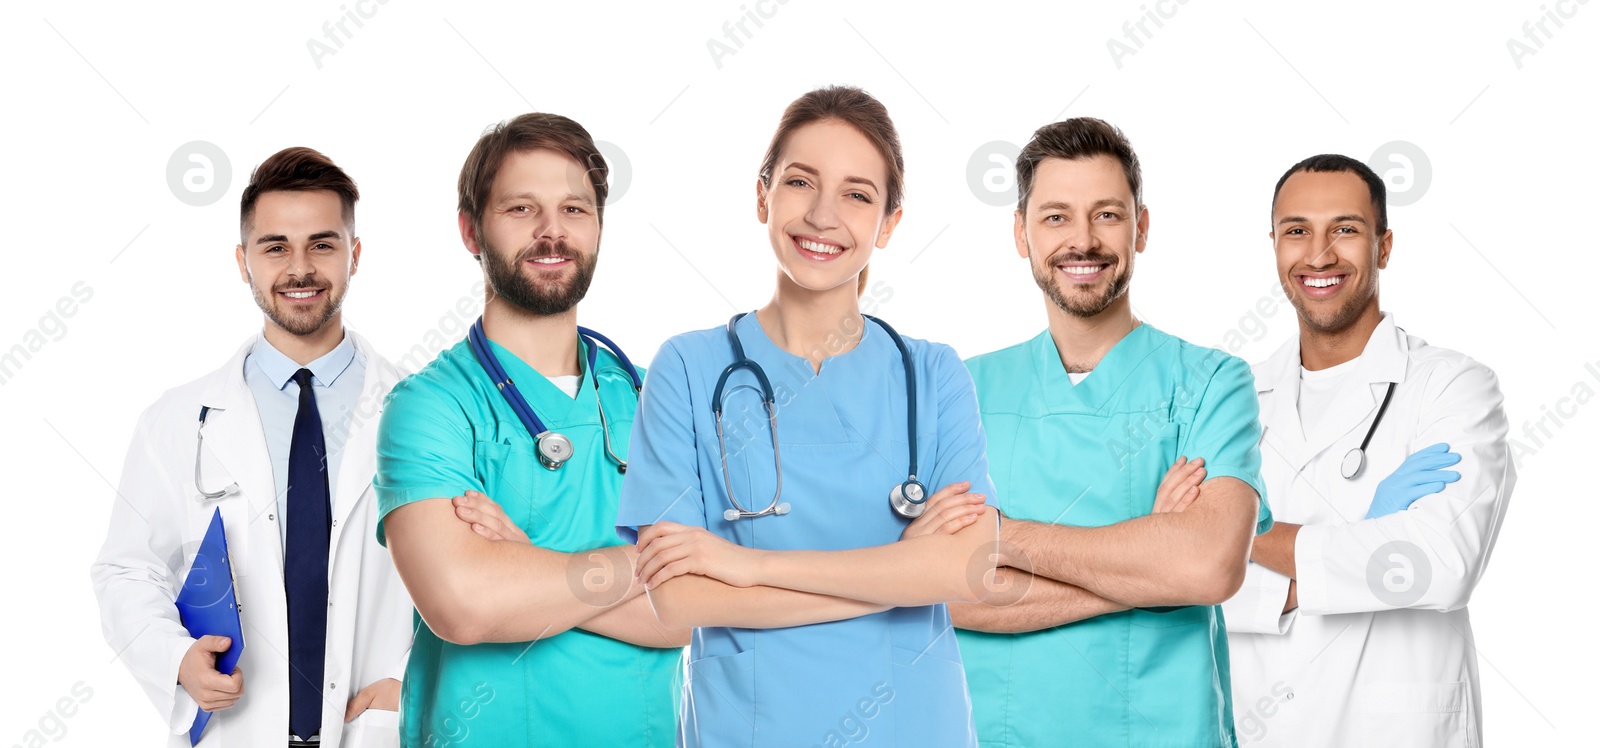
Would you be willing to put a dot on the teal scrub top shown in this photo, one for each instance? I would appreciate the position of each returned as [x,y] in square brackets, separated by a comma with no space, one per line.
[1089,455]
[888,679]
[447,429]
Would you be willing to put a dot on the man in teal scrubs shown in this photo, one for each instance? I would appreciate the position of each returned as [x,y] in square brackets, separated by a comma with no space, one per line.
[1112,635]
[531,629]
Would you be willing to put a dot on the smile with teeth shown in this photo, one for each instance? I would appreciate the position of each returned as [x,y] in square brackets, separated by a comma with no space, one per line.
[302,294]
[818,247]
[1081,269]
[1322,282]
[549,260]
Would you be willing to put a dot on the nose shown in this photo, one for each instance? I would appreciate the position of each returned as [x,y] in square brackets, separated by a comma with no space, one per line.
[548,226]
[1076,237]
[300,263]
[822,215]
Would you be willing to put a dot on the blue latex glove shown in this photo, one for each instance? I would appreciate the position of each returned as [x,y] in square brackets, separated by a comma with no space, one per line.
[1421,474]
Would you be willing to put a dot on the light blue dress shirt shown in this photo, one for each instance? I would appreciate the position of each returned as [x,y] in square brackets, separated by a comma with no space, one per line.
[336,380]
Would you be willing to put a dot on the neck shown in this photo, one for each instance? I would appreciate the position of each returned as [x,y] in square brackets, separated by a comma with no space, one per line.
[303,349]
[548,343]
[812,324]
[1082,341]
[1323,349]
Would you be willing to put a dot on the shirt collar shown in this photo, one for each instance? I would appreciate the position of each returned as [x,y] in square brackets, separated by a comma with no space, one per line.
[280,369]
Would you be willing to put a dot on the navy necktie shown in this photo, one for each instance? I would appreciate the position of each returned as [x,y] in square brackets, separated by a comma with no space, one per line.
[305,565]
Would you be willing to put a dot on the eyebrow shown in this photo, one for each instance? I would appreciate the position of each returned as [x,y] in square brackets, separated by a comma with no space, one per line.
[272,238]
[529,196]
[848,180]
[1104,202]
[1347,218]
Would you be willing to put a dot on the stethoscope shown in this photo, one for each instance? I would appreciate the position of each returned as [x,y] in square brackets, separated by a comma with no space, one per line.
[553,449]
[908,498]
[199,447]
[1356,459]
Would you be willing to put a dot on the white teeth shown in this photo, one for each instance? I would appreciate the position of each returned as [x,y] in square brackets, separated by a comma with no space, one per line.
[819,248]
[550,260]
[1081,269]
[1323,282]
[300,294]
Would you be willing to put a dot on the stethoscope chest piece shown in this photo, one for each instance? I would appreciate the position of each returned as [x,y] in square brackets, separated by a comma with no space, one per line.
[554,449]
[1354,461]
[909,499]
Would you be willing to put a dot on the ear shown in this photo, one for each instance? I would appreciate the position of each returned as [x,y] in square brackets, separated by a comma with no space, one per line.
[238,256]
[888,227]
[1019,232]
[1143,229]
[355,256]
[761,201]
[469,234]
[1384,246]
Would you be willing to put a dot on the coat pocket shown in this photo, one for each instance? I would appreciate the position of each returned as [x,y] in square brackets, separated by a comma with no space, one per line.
[1407,714]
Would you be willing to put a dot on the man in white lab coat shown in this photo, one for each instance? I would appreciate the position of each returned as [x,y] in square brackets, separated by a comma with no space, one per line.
[1351,627]
[286,449]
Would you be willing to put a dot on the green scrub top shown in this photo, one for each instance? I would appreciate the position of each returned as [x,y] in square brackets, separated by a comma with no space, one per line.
[447,429]
[1089,455]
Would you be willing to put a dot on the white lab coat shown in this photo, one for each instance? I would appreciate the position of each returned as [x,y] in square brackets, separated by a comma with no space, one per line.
[1380,651]
[156,525]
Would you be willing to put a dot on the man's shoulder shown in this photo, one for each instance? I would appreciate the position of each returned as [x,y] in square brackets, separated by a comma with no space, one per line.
[1006,362]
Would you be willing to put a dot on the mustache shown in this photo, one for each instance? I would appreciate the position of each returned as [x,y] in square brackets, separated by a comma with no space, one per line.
[301,284]
[547,248]
[1095,257]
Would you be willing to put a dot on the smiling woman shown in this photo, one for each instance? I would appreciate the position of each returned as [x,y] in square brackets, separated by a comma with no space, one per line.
[818,602]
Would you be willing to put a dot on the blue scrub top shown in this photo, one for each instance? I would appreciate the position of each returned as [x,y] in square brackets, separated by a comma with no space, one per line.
[888,679]
[1092,454]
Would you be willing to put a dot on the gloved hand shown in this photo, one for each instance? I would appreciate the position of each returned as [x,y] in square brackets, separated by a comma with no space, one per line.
[1421,474]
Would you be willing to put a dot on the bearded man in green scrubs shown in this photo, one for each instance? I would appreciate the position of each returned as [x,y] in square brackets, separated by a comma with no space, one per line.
[531,630]
[1111,634]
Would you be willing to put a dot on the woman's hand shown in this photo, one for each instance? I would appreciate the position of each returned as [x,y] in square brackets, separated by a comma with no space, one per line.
[949,510]
[668,549]
[487,518]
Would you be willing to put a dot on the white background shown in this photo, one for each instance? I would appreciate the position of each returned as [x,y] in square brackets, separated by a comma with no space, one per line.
[1489,255]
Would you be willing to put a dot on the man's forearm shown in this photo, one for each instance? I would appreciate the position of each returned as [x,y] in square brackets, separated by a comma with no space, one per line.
[470,589]
[1274,548]
[635,622]
[1193,557]
[1027,602]
[692,600]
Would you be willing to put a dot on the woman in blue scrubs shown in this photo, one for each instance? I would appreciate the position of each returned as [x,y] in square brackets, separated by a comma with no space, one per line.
[818,611]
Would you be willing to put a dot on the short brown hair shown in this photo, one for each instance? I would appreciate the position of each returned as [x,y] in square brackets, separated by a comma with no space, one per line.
[1079,137]
[527,132]
[855,108]
[298,169]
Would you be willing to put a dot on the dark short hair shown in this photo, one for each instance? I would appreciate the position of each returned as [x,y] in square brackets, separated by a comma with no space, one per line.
[856,108]
[1333,162]
[1079,137]
[298,169]
[527,132]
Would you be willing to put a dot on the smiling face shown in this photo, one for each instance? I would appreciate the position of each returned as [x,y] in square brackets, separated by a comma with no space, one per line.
[1080,233]
[1328,248]
[824,209]
[298,257]
[540,235]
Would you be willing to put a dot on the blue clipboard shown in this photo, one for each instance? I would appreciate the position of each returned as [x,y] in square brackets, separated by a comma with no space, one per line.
[209,606]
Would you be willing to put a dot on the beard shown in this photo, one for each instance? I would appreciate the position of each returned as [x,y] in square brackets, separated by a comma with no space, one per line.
[1085,304]
[1335,320]
[299,321]
[506,278]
